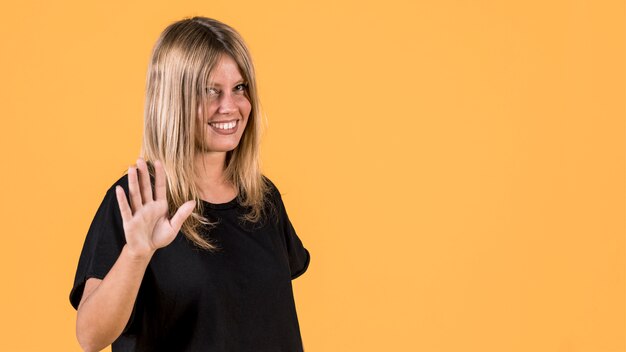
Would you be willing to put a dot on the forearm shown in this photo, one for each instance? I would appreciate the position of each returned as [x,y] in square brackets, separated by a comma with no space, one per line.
[105,312]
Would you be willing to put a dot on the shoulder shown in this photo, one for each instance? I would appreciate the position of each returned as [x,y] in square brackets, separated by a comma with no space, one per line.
[272,189]
[268,182]
[273,198]
[122,181]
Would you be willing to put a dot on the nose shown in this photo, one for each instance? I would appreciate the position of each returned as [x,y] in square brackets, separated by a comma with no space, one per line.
[227,104]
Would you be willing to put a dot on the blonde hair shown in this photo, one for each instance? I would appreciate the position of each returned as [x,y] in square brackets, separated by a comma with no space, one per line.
[178,76]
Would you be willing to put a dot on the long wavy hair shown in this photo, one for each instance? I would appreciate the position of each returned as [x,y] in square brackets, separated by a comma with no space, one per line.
[178,77]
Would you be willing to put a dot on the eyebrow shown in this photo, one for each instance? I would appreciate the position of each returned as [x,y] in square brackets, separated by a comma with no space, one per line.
[214,84]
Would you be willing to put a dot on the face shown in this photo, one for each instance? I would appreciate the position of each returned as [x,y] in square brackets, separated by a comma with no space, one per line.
[225,110]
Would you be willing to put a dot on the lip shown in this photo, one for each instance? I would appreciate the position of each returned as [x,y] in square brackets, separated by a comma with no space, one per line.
[225,132]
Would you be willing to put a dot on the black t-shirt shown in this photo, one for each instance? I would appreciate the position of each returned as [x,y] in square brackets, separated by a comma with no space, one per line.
[237,299]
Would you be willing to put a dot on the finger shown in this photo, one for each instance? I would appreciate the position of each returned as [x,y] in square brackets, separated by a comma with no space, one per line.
[122,202]
[182,214]
[144,181]
[133,189]
[159,180]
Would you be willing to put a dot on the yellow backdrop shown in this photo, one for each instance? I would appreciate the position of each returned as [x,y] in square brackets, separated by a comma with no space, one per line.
[456,168]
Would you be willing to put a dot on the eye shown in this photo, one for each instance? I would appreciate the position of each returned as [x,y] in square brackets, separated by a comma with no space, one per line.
[213,91]
[241,87]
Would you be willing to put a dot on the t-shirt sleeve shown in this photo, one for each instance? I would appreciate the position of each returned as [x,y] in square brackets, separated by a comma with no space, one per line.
[103,245]
[299,256]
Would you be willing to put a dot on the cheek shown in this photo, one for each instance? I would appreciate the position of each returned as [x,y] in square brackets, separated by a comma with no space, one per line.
[200,116]
[246,109]
[206,110]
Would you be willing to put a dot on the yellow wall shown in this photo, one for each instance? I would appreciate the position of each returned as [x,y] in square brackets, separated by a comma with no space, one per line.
[456,168]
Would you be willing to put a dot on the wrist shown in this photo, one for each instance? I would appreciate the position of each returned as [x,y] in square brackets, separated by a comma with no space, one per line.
[136,255]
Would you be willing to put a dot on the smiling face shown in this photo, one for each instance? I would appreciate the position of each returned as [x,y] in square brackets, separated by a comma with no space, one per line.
[225,108]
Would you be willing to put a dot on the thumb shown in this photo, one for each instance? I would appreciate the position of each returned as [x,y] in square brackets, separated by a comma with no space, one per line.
[182,214]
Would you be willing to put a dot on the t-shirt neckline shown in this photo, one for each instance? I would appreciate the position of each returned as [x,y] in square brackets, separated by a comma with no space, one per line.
[230,204]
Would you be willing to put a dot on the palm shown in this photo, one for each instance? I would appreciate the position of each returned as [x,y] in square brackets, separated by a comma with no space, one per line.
[146,223]
[164,232]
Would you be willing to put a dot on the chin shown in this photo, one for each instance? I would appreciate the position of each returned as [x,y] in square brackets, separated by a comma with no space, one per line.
[222,148]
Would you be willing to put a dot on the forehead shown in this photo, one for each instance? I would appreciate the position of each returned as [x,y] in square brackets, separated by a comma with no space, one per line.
[225,72]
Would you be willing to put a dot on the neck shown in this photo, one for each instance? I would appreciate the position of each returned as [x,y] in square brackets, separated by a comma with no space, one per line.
[210,168]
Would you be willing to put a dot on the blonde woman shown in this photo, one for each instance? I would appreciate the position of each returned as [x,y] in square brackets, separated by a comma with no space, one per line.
[192,249]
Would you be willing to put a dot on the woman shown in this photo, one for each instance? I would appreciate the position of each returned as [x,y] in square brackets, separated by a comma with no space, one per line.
[192,249]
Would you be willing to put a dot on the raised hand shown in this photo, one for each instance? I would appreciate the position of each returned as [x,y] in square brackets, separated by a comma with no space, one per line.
[146,223]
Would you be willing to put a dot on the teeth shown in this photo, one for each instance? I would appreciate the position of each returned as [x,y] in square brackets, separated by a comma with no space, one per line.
[224,126]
